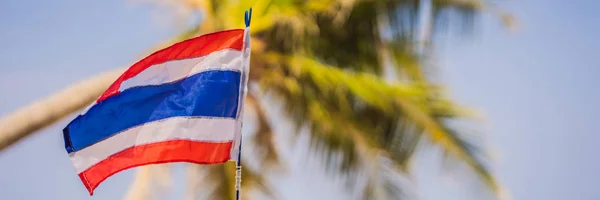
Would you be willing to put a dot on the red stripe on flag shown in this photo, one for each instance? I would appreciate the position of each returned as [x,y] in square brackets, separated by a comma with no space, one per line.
[155,153]
[195,47]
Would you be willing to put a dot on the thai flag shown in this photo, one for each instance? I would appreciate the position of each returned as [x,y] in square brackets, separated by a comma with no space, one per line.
[180,104]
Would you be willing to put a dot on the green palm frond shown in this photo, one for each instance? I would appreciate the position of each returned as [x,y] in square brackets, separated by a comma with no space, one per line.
[392,117]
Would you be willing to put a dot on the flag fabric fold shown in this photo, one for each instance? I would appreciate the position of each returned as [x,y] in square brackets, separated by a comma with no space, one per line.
[180,104]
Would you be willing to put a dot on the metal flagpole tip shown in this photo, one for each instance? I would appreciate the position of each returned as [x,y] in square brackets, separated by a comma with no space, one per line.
[248,17]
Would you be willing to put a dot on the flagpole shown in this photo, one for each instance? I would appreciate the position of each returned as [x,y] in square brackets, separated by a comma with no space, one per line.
[238,173]
[238,168]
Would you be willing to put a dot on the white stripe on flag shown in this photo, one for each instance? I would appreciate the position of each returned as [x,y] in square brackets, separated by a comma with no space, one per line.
[170,71]
[227,59]
[175,128]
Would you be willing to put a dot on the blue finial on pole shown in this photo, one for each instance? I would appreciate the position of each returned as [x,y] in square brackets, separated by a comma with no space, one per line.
[248,17]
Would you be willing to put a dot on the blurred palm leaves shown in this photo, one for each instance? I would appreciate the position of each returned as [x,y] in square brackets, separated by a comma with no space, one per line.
[325,61]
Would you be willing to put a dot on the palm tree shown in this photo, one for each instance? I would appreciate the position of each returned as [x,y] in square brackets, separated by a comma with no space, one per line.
[325,62]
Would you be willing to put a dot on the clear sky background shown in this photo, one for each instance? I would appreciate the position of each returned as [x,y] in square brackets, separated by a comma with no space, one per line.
[537,88]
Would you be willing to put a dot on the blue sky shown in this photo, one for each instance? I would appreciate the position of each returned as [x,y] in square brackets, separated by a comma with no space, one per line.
[536,87]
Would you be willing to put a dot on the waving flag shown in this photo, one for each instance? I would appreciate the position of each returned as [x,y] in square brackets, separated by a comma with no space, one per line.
[180,104]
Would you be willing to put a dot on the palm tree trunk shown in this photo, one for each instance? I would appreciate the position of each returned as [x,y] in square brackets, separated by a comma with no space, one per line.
[29,119]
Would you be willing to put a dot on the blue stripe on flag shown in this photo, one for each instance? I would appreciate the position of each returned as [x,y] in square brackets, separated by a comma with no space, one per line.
[210,94]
